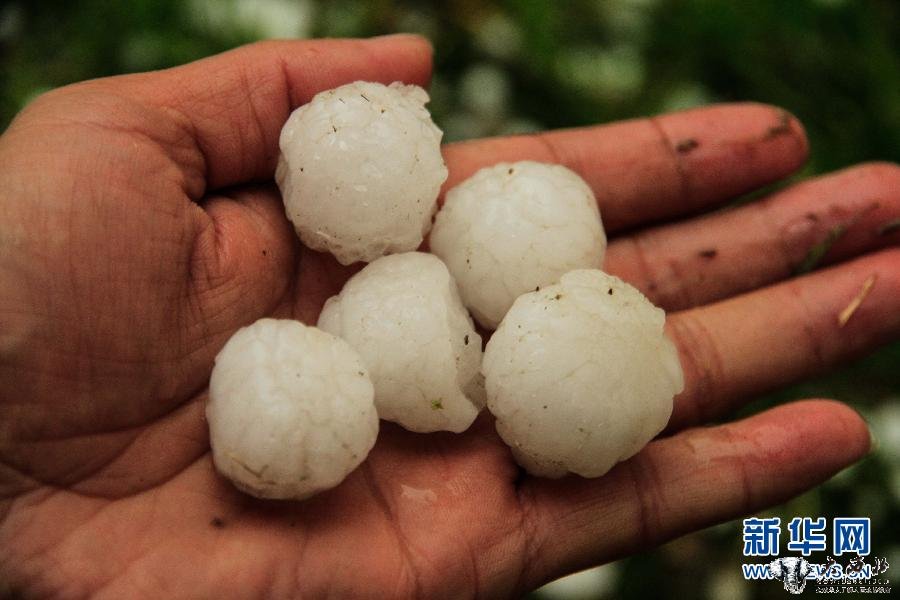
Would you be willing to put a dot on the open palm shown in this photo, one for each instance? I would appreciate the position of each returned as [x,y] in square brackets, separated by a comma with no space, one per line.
[139,229]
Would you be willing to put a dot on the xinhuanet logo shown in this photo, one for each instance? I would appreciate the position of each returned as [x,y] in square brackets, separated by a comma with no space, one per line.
[856,572]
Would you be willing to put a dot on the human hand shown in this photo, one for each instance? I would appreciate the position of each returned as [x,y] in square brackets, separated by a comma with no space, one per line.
[139,230]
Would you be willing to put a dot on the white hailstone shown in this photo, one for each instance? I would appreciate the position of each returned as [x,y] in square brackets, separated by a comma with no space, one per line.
[580,375]
[513,227]
[360,170]
[403,314]
[290,410]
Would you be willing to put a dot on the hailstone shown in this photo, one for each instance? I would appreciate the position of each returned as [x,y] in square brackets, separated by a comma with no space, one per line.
[403,314]
[580,375]
[290,410]
[513,227]
[360,170]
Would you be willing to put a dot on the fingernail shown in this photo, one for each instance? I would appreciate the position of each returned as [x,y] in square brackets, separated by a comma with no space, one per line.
[874,443]
[389,36]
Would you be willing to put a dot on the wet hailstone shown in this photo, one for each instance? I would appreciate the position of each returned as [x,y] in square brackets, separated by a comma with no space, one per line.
[580,375]
[360,170]
[290,410]
[513,227]
[403,314]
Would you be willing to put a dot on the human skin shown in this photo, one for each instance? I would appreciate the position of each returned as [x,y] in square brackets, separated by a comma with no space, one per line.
[139,229]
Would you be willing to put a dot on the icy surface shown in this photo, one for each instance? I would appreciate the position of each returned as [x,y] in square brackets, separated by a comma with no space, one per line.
[580,375]
[513,227]
[403,314]
[290,410]
[360,170]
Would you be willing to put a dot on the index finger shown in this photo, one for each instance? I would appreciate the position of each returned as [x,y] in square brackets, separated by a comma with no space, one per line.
[231,107]
[656,168]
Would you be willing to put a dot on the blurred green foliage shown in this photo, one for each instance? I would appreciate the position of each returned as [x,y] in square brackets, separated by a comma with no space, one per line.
[834,63]
[507,66]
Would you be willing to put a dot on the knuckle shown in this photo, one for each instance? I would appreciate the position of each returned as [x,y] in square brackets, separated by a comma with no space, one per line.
[661,279]
[650,502]
[529,537]
[813,339]
[702,363]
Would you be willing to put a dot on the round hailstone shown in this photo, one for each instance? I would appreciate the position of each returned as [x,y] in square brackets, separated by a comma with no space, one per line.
[360,170]
[580,375]
[403,314]
[290,410]
[511,228]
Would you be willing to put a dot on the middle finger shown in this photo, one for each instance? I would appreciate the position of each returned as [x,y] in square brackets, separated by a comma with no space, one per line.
[703,260]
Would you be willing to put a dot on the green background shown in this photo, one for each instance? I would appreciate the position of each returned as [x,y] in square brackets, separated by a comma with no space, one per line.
[516,66]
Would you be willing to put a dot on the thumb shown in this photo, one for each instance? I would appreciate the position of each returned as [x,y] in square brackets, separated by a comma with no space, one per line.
[244,258]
